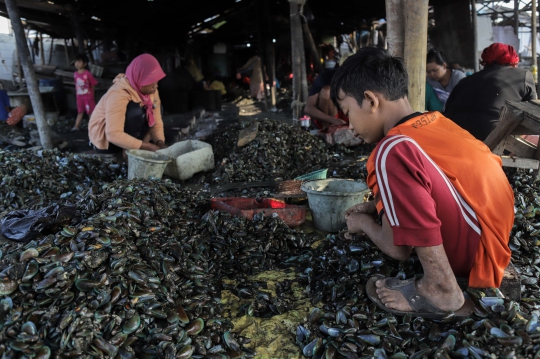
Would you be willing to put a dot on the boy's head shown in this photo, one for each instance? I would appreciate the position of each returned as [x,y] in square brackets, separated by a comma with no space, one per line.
[362,83]
[81,61]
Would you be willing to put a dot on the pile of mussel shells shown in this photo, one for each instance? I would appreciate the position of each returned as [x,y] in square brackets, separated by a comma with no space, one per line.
[138,277]
[346,324]
[280,151]
[30,180]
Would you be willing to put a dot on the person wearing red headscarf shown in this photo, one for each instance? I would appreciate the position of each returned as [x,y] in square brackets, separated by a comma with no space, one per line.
[128,116]
[475,102]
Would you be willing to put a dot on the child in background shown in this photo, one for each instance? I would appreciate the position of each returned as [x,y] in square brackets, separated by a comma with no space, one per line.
[84,86]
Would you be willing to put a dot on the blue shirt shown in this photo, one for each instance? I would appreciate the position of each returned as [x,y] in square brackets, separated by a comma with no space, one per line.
[4,101]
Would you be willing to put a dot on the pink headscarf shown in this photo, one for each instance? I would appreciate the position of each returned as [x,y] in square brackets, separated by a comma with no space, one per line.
[145,70]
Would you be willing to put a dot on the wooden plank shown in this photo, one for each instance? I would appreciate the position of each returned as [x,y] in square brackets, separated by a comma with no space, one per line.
[517,162]
[508,120]
[499,150]
[532,109]
[530,123]
[520,147]
[522,130]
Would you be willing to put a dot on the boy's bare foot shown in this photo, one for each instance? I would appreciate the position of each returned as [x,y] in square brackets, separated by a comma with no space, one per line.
[441,295]
[438,285]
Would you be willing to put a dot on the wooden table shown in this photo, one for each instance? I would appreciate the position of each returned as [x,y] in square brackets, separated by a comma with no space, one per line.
[516,119]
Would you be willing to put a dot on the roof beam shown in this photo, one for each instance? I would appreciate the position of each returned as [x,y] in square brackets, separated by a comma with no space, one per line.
[41,6]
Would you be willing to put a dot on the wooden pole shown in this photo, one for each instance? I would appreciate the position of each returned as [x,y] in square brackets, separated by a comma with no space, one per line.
[516,17]
[51,51]
[271,61]
[262,51]
[311,45]
[298,58]
[395,27]
[78,33]
[534,37]
[41,50]
[29,74]
[416,24]
[67,51]
[475,35]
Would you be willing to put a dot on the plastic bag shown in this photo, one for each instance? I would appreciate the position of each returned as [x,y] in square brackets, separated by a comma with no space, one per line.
[25,225]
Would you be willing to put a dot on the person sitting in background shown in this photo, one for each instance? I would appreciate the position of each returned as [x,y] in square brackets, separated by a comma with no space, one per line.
[319,105]
[476,101]
[432,101]
[5,107]
[253,68]
[440,76]
[128,116]
[214,83]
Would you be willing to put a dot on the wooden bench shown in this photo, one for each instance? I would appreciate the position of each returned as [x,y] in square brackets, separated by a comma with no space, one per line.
[516,119]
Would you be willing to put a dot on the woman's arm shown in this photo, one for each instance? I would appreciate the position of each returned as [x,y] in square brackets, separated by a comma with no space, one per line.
[157,132]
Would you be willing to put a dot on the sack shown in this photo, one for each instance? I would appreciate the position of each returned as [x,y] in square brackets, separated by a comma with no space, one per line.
[16,115]
[25,225]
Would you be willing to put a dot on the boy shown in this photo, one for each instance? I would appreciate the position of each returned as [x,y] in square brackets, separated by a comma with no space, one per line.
[436,190]
[84,86]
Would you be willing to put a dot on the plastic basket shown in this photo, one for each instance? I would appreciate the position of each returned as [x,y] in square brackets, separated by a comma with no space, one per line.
[316,175]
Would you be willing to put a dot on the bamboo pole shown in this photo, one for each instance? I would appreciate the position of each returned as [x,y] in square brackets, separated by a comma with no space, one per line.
[298,59]
[41,50]
[395,35]
[534,37]
[51,51]
[516,17]
[416,24]
[475,35]
[311,45]
[29,74]
[66,51]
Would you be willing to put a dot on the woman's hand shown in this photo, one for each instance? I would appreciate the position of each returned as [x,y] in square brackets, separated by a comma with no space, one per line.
[147,146]
[161,144]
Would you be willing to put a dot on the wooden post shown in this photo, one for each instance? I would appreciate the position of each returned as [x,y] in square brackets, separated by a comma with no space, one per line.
[51,51]
[271,61]
[67,51]
[516,17]
[534,37]
[416,24]
[29,74]
[475,35]
[41,50]
[298,59]
[311,45]
[262,50]
[395,27]
[78,33]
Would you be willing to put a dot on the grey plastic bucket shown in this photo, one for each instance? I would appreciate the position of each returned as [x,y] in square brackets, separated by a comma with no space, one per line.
[330,198]
[146,164]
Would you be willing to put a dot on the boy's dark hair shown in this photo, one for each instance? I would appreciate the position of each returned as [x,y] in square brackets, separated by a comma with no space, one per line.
[82,57]
[435,56]
[370,69]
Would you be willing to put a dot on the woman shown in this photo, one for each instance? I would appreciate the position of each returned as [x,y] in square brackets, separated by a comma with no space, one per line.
[476,101]
[440,76]
[128,116]
[253,69]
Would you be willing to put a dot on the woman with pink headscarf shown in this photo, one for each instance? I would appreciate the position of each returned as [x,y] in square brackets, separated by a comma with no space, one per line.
[128,116]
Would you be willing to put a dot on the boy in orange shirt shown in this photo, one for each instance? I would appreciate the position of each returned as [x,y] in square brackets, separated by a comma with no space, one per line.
[436,190]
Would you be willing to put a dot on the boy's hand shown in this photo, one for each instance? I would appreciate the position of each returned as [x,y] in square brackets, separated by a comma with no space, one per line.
[356,222]
[365,208]
[161,144]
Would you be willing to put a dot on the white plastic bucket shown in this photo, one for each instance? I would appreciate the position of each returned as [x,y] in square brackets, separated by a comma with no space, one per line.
[188,157]
[146,164]
[330,198]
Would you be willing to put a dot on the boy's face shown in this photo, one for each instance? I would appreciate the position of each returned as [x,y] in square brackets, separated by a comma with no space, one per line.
[79,64]
[363,120]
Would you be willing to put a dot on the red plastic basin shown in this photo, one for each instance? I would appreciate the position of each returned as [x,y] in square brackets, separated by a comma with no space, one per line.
[248,207]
